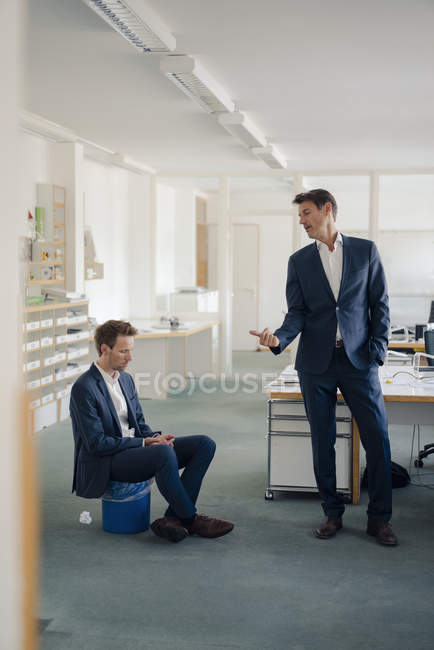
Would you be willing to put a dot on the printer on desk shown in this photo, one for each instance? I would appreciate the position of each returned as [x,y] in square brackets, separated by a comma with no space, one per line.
[401,333]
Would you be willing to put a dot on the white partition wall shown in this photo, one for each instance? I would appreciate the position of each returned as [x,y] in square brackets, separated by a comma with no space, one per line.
[352,196]
[406,243]
[245,295]
[264,203]
[13,580]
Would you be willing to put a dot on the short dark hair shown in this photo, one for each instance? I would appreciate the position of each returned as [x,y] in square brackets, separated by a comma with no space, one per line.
[109,331]
[320,198]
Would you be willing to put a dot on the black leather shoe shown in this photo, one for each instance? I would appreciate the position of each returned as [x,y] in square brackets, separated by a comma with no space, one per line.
[382,531]
[329,528]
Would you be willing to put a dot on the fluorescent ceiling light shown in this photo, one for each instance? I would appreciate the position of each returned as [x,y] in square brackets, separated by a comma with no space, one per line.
[131,165]
[195,82]
[270,156]
[242,129]
[51,131]
[135,22]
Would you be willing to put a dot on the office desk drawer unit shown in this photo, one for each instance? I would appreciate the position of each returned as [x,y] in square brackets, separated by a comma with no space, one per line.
[290,467]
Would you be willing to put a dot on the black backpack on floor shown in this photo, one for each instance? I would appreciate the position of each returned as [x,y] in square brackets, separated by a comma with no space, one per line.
[400,476]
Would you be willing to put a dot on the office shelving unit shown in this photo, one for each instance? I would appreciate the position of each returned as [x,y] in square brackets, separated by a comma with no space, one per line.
[55,334]
[46,265]
[55,353]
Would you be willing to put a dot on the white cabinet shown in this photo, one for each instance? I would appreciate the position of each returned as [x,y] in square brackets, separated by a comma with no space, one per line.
[54,355]
[290,466]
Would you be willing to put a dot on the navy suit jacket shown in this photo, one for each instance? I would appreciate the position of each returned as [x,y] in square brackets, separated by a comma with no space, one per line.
[97,430]
[362,307]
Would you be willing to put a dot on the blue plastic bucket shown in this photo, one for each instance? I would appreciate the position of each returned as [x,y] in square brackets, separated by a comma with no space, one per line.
[126,507]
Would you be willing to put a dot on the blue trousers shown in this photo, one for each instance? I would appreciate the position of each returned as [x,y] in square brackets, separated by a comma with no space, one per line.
[361,390]
[194,453]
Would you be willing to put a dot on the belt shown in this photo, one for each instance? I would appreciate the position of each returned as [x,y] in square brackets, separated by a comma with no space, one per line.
[339,343]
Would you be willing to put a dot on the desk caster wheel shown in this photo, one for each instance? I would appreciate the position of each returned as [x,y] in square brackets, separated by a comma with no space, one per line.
[269,496]
[418,463]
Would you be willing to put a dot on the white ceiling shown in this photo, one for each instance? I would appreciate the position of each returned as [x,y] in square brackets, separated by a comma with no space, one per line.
[333,84]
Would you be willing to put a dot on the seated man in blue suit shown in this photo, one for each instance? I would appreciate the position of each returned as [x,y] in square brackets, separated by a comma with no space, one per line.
[113,441]
[337,299]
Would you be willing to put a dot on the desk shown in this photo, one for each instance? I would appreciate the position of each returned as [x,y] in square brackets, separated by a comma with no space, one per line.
[415,346]
[162,355]
[405,404]
[407,400]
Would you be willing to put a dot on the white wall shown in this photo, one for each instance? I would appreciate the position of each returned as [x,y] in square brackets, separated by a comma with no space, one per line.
[34,161]
[165,240]
[352,196]
[140,275]
[185,238]
[212,244]
[275,247]
[106,212]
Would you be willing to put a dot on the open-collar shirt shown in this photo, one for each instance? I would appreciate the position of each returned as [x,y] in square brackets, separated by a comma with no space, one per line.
[332,263]
[118,399]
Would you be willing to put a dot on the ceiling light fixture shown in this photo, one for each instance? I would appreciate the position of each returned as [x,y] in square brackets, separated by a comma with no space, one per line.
[135,22]
[121,160]
[242,129]
[195,82]
[36,125]
[271,156]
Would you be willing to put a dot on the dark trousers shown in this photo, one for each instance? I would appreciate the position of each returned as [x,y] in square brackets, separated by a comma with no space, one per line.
[361,390]
[194,453]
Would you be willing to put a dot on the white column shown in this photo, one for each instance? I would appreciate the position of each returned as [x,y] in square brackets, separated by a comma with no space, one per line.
[374,203]
[11,559]
[185,237]
[153,242]
[296,228]
[67,169]
[139,245]
[224,247]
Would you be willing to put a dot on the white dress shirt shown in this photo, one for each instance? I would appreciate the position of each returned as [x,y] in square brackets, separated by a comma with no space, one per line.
[115,392]
[332,263]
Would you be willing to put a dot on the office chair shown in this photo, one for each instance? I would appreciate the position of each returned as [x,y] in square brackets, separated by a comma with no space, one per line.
[429,345]
[431,315]
[429,349]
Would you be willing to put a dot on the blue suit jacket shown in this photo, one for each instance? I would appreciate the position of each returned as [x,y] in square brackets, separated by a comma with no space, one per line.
[362,307]
[97,430]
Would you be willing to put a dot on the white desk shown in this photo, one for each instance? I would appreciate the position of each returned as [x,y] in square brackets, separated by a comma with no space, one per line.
[416,346]
[408,402]
[164,356]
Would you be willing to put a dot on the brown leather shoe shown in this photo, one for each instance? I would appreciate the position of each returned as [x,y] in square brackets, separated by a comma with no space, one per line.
[209,527]
[329,528]
[169,528]
[382,531]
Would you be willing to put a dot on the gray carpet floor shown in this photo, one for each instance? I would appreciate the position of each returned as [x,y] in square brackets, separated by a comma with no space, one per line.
[269,585]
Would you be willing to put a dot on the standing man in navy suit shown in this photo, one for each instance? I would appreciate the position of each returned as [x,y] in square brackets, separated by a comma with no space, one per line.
[113,441]
[337,299]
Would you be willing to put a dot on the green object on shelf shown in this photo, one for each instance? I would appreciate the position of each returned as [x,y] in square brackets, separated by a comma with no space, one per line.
[39,222]
[34,300]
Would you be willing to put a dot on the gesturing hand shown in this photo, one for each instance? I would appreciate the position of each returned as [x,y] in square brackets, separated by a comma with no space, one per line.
[266,338]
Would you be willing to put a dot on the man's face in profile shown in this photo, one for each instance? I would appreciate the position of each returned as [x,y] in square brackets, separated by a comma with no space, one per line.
[119,356]
[314,220]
